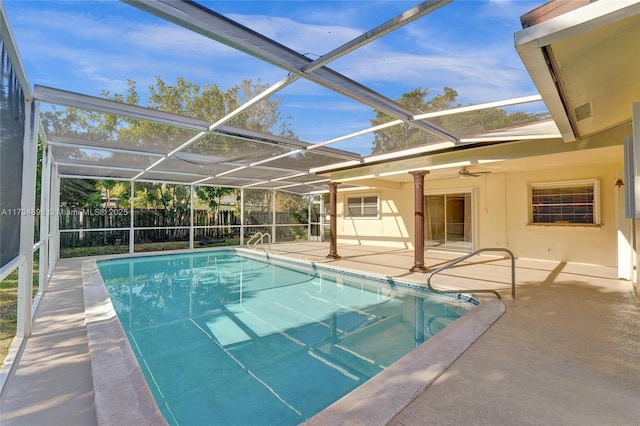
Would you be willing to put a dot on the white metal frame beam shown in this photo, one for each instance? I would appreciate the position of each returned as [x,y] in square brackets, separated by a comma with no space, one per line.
[92,103]
[393,24]
[45,185]
[80,144]
[27,204]
[396,155]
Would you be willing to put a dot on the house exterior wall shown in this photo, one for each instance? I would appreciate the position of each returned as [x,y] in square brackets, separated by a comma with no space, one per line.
[393,228]
[584,244]
[502,206]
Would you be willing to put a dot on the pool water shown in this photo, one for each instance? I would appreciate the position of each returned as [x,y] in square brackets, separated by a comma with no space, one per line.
[225,338]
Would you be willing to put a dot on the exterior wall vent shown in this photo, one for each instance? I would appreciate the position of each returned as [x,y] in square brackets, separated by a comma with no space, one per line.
[583,111]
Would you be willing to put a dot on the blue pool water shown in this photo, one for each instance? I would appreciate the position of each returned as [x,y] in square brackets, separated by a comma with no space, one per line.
[226,338]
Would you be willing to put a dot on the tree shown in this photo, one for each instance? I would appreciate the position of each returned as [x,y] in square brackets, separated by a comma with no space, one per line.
[171,202]
[213,195]
[211,103]
[77,193]
[405,136]
[257,206]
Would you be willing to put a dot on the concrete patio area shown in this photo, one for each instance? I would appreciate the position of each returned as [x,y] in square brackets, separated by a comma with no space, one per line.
[565,352]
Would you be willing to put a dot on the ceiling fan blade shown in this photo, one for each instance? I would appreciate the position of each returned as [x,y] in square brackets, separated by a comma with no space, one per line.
[464,172]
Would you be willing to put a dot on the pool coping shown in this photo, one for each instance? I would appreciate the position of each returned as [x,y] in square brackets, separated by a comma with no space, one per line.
[122,395]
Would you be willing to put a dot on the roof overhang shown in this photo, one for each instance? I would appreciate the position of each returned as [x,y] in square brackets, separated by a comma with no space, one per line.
[585,63]
[496,158]
[535,133]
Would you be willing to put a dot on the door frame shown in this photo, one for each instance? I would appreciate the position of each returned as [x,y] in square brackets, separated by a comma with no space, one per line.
[473,192]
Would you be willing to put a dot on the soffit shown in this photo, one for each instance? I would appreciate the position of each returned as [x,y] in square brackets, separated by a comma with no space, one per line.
[586,63]
[599,72]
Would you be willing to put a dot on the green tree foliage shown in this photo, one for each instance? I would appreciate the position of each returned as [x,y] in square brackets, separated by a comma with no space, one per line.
[214,195]
[171,201]
[295,205]
[77,193]
[257,205]
[93,194]
[265,116]
[405,136]
[289,209]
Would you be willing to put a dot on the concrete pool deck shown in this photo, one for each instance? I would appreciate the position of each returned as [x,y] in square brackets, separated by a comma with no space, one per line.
[566,350]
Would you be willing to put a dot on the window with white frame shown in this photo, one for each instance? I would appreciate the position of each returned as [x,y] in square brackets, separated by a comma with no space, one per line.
[564,203]
[362,206]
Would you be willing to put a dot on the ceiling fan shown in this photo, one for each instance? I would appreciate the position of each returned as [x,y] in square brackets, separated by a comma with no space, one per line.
[464,173]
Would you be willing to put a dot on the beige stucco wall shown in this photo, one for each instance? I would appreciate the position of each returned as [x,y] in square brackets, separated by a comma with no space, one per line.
[394,227]
[586,244]
[501,214]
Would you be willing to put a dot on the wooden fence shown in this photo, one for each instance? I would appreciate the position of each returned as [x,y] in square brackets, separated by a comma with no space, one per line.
[168,226]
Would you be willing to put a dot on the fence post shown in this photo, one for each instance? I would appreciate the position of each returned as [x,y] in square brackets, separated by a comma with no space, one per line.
[241,216]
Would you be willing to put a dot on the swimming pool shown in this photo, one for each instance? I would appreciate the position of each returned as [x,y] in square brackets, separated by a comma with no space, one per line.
[226,338]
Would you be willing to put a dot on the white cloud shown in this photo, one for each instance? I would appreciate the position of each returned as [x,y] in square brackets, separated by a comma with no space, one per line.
[304,38]
[74,51]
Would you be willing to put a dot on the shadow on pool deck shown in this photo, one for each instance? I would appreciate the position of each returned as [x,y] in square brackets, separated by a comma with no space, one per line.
[566,351]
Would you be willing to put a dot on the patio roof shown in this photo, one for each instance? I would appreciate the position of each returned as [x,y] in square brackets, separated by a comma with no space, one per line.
[187,150]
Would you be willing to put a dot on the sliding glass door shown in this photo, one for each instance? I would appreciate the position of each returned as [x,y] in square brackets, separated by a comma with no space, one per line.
[449,221]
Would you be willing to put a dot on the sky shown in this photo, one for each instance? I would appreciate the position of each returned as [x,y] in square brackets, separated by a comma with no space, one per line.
[95,46]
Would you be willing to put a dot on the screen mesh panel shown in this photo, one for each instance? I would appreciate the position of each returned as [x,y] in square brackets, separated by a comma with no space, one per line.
[186,178]
[231,149]
[191,163]
[96,171]
[477,123]
[303,189]
[304,161]
[227,181]
[302,179]
[258,173]
[87,143]
[113,131]
[97,157]
[12,122]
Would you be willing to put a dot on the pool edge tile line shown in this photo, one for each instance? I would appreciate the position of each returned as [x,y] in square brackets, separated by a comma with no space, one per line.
[378,400]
